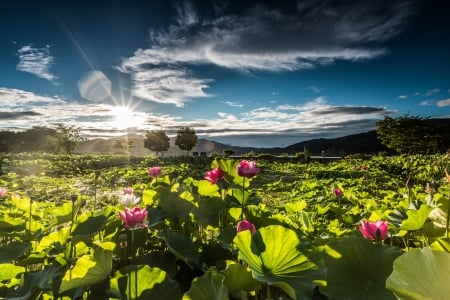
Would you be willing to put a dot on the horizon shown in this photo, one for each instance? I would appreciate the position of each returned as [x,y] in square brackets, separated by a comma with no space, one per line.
[257,74]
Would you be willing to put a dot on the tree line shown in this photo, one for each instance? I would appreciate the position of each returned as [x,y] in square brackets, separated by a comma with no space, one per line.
[405,135]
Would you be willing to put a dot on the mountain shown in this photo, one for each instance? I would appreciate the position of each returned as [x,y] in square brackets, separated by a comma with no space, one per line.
[366,143]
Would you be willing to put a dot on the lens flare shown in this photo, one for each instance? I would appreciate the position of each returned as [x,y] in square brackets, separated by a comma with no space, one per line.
[94,86]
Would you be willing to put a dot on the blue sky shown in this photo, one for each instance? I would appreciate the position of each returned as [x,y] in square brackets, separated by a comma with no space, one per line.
[246,73]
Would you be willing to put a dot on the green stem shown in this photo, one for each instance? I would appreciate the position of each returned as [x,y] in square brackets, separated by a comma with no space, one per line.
[243,197]
[448,213]
[133,255]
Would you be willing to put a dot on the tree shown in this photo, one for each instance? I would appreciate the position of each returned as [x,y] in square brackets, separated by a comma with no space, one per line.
[69,137]
[413,135]
[157,141]
[186,139]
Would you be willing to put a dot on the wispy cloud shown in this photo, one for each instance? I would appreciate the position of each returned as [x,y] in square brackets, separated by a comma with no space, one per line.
[233,104]
[313,88]
[426,103]
[37,61]
[402,97]
[442,103]
[266,37]
[432,92]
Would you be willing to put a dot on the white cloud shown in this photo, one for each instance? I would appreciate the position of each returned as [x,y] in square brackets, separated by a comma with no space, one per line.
[258,38]
[426,103]
[37,61]
[402,97]
[442,103]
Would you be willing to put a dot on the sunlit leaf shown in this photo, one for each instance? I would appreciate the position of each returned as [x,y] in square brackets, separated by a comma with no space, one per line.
[208,211]
[442,244]
[8,271]
[277,256]
[88,270]
[143,282]
[416,218]
[421,274]
[238,278]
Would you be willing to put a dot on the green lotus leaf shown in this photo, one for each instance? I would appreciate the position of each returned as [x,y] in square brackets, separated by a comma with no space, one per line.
[8,271]
[358,268]
[180,246]
[209,286]
[277,256]
[143,282]
[238,278]
[442,244]
[416,218]
[90,226]
[166,261]
[421,275]
[88,270]
[13,251]
[63,213]
[208,211]
[59,236]
[8,223]
[175,206]
[206,188]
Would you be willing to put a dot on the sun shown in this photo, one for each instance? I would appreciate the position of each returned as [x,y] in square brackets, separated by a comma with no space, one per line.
[124,117]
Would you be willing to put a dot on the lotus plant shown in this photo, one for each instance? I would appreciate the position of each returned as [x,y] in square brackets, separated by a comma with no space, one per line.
[338,192]
[128,197]
[133,218]
[377,231]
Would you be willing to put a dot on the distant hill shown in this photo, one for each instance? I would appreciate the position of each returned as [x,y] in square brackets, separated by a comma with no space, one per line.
[366,143]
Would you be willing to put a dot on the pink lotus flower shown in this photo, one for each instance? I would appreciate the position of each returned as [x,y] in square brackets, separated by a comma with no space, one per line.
[247,169]
[128,191]
[214,175]
[133,217]
[154,172]
[3,192]
[338,192]
[374,230]
[246,225]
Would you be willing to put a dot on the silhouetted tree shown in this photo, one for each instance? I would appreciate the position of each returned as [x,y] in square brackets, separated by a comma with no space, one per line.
[69,137]
[186,139]
[413,135]
[157,141]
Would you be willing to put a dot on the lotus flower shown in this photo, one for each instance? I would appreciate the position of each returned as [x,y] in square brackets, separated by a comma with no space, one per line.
[133,217]
[338,192]
[128,199]
[247,169]
[214,175]
[128,190]
[374,230]
[364,168]
[154,172]
[245,225]
[3,192]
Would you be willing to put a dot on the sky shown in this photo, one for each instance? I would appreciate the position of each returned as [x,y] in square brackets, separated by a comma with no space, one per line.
[244,73]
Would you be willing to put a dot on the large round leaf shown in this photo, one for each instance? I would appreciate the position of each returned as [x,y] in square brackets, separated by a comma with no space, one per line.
[88,270]
[209,286]
[143,282]
[180,246]
[421,275]
[277,256]
[358,268]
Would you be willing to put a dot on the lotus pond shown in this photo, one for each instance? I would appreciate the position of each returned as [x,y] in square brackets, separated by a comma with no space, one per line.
[109,227]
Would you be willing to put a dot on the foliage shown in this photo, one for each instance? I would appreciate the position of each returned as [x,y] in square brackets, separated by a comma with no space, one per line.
[186,139]
[413,135]
[61,235]
[157,141]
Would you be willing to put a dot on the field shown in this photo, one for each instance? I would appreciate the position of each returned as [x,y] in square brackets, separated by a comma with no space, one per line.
[117,227]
